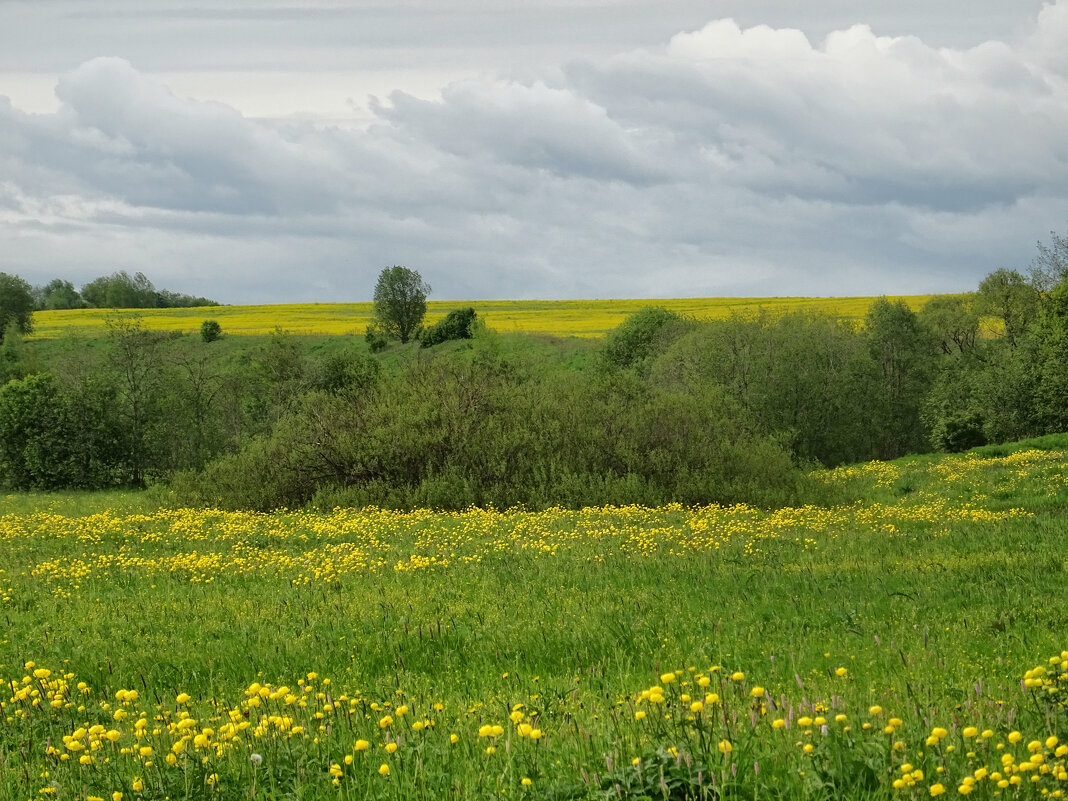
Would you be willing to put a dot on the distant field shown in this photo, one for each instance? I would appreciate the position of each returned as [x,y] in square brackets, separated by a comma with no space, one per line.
[584,318]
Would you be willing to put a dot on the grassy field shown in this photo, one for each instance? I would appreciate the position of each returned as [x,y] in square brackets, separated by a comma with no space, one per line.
[553,317]
[903,638]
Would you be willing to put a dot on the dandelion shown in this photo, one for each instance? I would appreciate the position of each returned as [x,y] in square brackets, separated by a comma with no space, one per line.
[255,759]
[383,769]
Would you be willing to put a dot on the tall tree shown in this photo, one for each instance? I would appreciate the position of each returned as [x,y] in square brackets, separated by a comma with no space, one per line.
[16,305]
[400,301]
[1007,295]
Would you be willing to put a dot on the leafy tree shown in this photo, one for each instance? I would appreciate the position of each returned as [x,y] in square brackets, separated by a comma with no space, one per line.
[953,321]
[900,349]
[60,294]
[1050,266]
[121,291]
[16,304]
[400,301]
[1053,359]
[1007,295]
[135,356]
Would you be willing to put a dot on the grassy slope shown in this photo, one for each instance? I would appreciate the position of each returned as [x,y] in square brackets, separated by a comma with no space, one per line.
[553,317]
[922,582]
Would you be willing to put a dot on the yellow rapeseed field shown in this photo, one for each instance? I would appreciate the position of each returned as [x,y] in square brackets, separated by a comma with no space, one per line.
[587,318]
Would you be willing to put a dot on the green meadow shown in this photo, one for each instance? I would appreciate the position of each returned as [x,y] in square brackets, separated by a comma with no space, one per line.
[901,636]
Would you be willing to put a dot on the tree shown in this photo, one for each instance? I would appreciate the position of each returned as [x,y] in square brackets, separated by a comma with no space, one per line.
[16,304]
[60,294]
[121,291]
[400,301]
[210,330]
[1007,295]
[900,348]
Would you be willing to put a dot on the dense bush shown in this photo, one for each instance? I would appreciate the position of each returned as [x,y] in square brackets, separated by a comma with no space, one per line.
[457,324]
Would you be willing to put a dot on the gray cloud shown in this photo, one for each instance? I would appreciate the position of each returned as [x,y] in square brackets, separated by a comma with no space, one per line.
[728,160]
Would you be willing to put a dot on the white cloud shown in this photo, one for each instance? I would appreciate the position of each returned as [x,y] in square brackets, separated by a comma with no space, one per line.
[732,159]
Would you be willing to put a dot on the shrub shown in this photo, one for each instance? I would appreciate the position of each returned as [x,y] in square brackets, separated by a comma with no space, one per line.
[210,330]
[456,325]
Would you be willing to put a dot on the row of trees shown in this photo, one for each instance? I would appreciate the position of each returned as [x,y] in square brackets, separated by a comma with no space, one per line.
[119,290]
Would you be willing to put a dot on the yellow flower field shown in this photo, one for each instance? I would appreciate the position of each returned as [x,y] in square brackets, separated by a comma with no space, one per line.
[551,317]
[904,642]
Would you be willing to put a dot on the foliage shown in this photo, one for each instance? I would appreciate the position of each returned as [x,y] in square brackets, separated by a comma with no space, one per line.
[375,338]
[210,330]
[58,294]
[400,302]
[636,338]
[457,324]
[120,290]
[16,305]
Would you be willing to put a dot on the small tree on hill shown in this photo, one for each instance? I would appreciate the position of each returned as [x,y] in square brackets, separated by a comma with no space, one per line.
[400,301]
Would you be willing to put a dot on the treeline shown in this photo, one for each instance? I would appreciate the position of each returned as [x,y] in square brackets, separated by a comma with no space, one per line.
[119,290]
[664,409]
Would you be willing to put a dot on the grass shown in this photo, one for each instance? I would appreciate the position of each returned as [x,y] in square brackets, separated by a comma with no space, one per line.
[668,652]
[587,318]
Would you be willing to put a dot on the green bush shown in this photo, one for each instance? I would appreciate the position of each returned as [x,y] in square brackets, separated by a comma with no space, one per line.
[210,330]
[456,324]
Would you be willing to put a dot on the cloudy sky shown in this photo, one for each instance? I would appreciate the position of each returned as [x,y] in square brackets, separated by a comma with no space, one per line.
[263,152]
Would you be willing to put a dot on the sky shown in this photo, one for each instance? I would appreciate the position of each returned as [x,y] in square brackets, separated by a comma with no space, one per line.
[255,151]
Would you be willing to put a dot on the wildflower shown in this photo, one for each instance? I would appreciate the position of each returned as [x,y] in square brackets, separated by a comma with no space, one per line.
[970,731]
[725,746]
[383,769]
[182,698]
[391,748]
[385,721]
[840,672]
[525,782]
[937,789]
[737,676]
[137,785]
[255,759]
[361,745]
[667,678]
[757,692]
[875,710]
[116,796]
